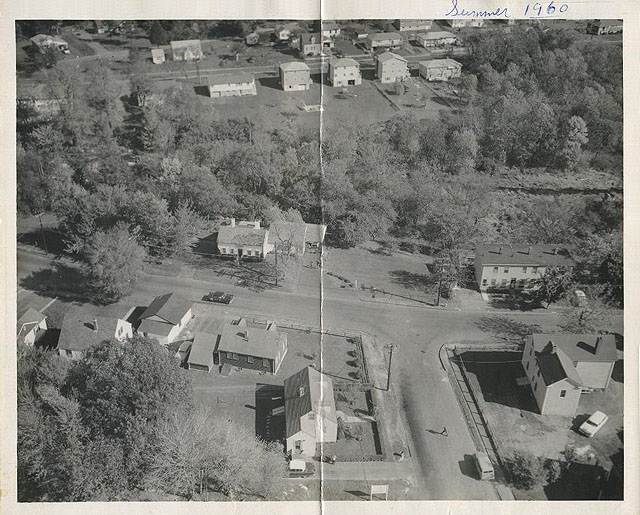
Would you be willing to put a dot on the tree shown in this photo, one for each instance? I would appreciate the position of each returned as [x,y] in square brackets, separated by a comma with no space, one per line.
[158,35]
[554,283]
[115,261]
[575,137]
[528,471]
[48,59]
[591,318]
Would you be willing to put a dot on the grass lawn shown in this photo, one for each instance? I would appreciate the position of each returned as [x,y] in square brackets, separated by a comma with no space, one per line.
[374,266]
[515,423]
[343,490]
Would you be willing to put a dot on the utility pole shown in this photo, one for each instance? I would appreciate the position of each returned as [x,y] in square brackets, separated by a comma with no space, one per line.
[44,240]
[275,249]
[390,347]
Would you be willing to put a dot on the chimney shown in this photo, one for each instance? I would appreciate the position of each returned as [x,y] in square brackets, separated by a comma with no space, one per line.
[301,391]
[95,324]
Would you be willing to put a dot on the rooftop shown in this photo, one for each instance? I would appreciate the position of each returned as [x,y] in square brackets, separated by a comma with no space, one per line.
[439,63]
[230,78]
[307,391]
[27,320]
[261,342]
[580,347]
[241,235]
[390,56]
[532,255]
[344,62]
[383,36]
[555,366]
[78,331]
[185,43]
[202,348]
[438,34]
[168,307]
[294,66]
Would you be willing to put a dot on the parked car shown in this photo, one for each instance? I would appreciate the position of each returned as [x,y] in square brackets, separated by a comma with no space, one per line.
[484,467]
[218,296]
[593,424]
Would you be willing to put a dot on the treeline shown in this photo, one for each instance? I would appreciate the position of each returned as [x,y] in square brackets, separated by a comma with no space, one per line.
[121,424]
[119,155]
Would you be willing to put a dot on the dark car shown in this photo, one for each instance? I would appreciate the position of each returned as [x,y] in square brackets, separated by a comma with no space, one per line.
[218,296]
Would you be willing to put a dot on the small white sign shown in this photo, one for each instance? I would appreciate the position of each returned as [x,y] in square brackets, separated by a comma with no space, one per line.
[379,490]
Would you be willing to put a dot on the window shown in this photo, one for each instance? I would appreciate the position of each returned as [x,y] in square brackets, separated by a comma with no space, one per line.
[493,282]
[506,269]
[534,270]
[504,282]
[248,252]
[223,250]
[563,393]
[484,282]
[527,367]
[521,283]
[232,355]
[524,269]
[250,359]
[265,363]
[298,445]
[68,353]
[495,268]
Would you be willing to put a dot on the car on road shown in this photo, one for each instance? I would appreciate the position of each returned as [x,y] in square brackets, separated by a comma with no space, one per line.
[593,424]
[219,297]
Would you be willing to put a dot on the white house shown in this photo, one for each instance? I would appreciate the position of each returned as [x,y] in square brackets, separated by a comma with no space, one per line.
[165,318]
[436,39]
[44,42]
[233,84]
[243,240]
[310,412]
[391,67]
[440,69]
[344,72]
[412,25]
[330,29]
[384,40]
[186,50]
[29,324]
[157,55]
[295,76]
[559,367]
[82,328]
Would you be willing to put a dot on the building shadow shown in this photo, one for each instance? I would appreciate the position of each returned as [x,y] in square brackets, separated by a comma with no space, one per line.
[577,482]
[618,371]
[269,408]
[270,82]
[496,373]
[507,329]
[467,466]
[363,496]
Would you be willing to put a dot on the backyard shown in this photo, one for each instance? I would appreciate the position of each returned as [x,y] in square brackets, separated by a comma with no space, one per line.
[516,425]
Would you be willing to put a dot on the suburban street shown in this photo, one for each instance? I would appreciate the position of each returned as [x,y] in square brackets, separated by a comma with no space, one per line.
[419,386]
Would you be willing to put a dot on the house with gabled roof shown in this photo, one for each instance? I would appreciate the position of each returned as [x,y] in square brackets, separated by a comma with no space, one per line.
[313,43]
[377,40]
[559,367]
[344,72]
[412,25]
[391,67]
[29,325]
[165,318]
[201,355]
[294,76]
[440,69]
[231,84]
[251,346]
[310,412]
[186,50]
[243,240]
[436,39]
[295,237]
[81,328]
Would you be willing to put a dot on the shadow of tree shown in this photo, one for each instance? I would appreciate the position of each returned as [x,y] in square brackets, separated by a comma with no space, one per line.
[518,301]
[413,280]
[49,239]
[62,281]
[507,329]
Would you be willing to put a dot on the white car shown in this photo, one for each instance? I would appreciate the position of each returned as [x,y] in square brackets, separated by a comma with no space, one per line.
[593,424]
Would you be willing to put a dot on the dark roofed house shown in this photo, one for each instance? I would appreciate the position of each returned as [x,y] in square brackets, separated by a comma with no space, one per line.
[29,324]
[165,317]
[82,328]
[243,240]
[310,412]
[560,367]
[201,356]
[503,267]
[250,346]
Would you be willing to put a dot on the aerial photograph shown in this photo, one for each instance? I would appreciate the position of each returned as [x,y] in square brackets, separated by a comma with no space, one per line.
[309,260]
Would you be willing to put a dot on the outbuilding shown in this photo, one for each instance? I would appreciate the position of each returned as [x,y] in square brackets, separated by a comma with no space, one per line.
[157,55]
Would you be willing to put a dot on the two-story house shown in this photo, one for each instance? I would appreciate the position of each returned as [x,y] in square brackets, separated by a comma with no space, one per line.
[559,367]
[412,25]
[295,76]
[505,267]
[436,39]
[312,44]
[440,69]
[378,40]
[165,318]
[391,67]
[310,412]
[344,72]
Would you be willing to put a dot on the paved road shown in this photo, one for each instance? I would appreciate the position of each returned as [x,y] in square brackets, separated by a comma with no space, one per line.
[418,383]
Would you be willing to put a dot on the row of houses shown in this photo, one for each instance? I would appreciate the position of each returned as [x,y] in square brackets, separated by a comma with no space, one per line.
[247,239]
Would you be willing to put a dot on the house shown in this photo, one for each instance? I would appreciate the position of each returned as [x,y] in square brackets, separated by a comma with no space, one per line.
[295,237]
[232,84]
[436,39]
[201,356]
[599,27]
[165,317]
[504,267]
[440,69]
[44,42]
[559,367]
[243,240]
[344,72]
[459,23]
[313,43]
[330,29]
[29,324]
[100,27]
[391,67]
[157,55]
[82,328]
[310,412]
[384,40]
[295,76]
[186,50]
[412,25]
[282,33]
[252,39]
[242,345]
